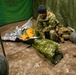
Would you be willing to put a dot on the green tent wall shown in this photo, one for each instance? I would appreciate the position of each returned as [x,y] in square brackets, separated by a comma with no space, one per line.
[15,10]
[65,10]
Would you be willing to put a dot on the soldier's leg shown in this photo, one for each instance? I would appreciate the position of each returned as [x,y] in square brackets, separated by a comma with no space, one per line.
[61,39]
[66,36]
[54,36]
[47,35]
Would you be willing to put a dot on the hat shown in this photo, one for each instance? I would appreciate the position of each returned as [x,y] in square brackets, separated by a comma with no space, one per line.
[41,9]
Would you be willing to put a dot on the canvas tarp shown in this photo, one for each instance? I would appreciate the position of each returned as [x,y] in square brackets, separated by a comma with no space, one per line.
[63,9]
[15,10]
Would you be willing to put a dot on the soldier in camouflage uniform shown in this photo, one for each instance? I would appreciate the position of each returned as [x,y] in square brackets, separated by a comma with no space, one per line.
[48,25]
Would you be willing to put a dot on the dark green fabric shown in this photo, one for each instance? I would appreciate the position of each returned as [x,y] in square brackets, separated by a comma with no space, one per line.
[2,21]
[65,10]
[15,10]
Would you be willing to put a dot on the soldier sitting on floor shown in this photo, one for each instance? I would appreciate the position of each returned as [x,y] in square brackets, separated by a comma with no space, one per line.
[49,26]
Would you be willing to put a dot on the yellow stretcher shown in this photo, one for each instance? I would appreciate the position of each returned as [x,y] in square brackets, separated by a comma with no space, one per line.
[29,33]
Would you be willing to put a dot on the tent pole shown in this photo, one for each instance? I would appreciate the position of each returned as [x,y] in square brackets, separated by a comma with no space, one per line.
[2,46]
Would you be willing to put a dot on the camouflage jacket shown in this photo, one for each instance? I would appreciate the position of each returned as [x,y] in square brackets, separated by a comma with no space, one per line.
[49,23]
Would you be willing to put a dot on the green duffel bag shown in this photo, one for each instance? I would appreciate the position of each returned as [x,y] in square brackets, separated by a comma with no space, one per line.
[49,49]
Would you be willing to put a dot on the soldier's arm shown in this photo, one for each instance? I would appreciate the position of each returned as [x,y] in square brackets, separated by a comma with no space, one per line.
[39,28]
[53,22]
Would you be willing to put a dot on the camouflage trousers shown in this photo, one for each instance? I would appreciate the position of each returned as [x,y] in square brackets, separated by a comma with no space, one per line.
[53,35]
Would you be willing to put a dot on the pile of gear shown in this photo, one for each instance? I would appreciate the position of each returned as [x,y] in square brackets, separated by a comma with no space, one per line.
[23,33]
[64,33]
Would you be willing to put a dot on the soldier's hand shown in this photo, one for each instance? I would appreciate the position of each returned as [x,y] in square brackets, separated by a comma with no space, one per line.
[43,37]
[44,30]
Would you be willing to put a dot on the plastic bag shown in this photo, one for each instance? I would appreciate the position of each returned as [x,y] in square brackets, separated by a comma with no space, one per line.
[20,33]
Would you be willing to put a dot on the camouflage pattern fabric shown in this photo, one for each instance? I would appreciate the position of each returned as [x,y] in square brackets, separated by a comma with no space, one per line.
[50,23]
[64,33]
